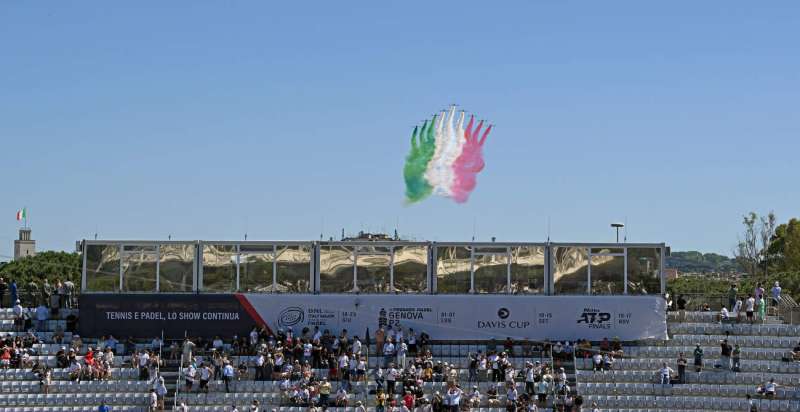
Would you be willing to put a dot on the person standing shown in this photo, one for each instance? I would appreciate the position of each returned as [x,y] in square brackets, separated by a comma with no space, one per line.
[762,309]
[12,291]
[732,295]
[698,359]
[227,375]
[725,354]
[682,362]
[749,307]
[737,358]
[776,294]
[3,289]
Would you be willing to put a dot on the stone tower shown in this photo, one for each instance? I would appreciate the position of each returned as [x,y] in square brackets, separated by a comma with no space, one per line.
[25,246]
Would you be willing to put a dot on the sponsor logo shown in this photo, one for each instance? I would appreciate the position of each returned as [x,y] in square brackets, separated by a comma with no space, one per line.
[595,318]
[291,316]
[503,313]
[504,323]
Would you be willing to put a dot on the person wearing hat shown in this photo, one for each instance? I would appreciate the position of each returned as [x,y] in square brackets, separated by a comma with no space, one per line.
[254,406]
[360,407]
[475,397]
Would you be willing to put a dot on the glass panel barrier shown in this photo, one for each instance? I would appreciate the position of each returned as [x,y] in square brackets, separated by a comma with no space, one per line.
[453,269]
[102,268]
[373,269]
[255,268]
[608,275]
[644,265]
[336,269]
[139,268]
[410,269]
[294,269]
[219,268]
[570,269]
[527,270]
[491,273]
[176,267]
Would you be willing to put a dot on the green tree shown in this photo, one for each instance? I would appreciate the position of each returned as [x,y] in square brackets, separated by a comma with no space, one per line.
[784,249]
[45,265]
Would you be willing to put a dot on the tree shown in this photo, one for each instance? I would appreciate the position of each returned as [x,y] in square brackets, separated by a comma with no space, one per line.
[50,265]
[746,252]
[784,248]
[767,232]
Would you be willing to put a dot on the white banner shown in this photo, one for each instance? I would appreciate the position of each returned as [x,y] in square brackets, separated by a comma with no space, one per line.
[471,317]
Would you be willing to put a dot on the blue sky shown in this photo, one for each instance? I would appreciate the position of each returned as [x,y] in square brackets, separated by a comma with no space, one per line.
[206,120]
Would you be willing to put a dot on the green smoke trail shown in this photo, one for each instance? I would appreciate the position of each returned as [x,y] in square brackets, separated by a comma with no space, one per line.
[423,144]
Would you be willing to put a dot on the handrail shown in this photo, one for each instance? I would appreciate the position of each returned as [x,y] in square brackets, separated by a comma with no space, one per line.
[178,384]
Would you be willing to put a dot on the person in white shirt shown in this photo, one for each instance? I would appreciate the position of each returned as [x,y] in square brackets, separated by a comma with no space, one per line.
[161,391]
[205,376]
[391,376]
[530,378]
[511,395]
[356,346]
[749,307]
[769,388]
[253,337]
[217,343]
[454,397]
[398,335]
[737,310]
[724,315]
[191,375]
[402,349]
[307,348]
[153,403]
[665,372]
[597,360]
[344,362]
[19,321]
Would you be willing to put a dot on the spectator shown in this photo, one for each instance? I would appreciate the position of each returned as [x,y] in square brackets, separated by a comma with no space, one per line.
[665,372]
[762,309]
[542,388]
[753,407]
[161,391]
[737,310]
[597,361]
[188,348]
[776,293]
[254,406]
[227,375]
[724,315]
[682,362]
[380,401]
[608,361]
[596,409]
[341,397]
[681,308]
[769,389]
[42,314]
[698,359]
[737,357]
[19,318]
[360,407]
[732,292]
[725,354]
[759,291]
[453,397]
[12,291]
[103,407]
[3,289]
[749,307]
[408,400]
[388,352]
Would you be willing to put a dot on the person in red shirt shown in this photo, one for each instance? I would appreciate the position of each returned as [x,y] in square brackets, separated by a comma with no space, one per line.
[408,399]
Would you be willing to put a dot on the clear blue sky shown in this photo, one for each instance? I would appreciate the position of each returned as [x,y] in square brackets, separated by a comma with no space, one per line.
[208,119]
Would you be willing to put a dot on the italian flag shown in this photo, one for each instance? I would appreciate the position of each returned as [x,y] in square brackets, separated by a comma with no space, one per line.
[22,214]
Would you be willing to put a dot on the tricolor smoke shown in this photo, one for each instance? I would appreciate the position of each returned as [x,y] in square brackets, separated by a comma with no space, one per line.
[445,158]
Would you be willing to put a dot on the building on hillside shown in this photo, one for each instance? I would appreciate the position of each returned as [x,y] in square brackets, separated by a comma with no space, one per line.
[671,273]
[24,246]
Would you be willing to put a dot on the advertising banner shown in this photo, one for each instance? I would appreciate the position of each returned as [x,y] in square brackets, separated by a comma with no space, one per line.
[177,315]
[472,317]
[443,317]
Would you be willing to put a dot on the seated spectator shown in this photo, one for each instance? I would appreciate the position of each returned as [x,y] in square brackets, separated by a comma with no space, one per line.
[605,345]
[341,397]
[724,315]
[491,397]
[474,397]
[769,388]
[665,373]
[597,361]
[796,352]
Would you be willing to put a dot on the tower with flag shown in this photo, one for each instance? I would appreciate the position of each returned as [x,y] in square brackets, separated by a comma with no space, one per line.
[25,245]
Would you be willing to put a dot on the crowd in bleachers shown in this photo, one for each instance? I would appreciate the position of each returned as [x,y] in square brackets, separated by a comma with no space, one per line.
[398,372]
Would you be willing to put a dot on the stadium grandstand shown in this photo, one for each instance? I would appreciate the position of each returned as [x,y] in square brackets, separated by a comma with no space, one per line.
[389,326]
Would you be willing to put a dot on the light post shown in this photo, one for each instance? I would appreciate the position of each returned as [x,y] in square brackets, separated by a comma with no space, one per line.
[617,226]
